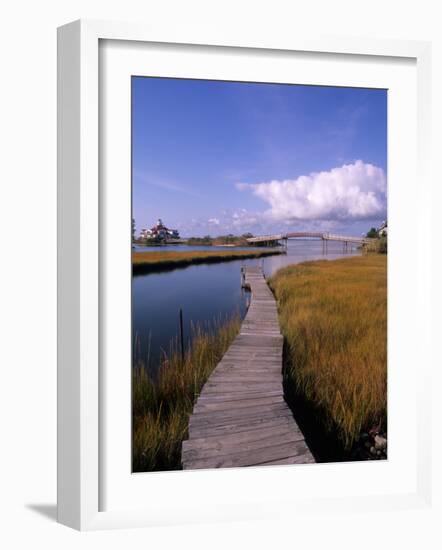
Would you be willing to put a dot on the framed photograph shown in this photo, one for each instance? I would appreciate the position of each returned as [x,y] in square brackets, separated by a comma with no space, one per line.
[233,257]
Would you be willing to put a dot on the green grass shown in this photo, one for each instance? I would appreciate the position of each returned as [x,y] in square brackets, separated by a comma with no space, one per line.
[333,315]
[144,262]
[161,406]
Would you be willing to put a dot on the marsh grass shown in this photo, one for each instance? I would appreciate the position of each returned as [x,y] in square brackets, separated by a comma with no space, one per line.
[144,262]
[333,315]
[162,405]
[377,246]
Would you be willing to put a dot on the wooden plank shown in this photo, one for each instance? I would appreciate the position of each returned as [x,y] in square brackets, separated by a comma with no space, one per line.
[252,457]
[296,459]
[245,370]
[207,421]
[208,426]
[246,377]
[226,397]
[208,405]
[235,411]
[241,426]
[251,365]
[250,355]
[262,435]
[220,387]
[237,443]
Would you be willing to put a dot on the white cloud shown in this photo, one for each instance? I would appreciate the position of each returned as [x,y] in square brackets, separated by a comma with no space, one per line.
[213,221]
[351,192]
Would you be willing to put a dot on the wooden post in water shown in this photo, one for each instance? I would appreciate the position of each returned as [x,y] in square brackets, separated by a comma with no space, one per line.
[182,335]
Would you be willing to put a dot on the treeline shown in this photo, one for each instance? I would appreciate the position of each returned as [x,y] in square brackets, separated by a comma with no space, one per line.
[230,239]
[379,243]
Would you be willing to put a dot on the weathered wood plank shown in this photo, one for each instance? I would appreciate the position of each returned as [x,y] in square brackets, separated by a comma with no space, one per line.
[263,435]
[247,389]
[236,412]
[238,443]
[296,459]
[245,377]
[249,367]
[252,457]
[238,396]
[208,405]
[241,426]
[208,421]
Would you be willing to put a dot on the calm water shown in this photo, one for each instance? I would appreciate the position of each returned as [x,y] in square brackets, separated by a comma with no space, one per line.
[204,292]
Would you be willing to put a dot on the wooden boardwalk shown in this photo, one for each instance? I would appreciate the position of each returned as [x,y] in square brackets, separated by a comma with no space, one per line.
[241,417]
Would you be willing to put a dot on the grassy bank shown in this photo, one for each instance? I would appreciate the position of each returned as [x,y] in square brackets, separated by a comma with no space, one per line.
[144,262]
[334,318]
[377,246]
[161,407]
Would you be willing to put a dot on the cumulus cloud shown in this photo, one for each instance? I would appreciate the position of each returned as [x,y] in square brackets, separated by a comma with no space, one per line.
[213,221]
[355,191]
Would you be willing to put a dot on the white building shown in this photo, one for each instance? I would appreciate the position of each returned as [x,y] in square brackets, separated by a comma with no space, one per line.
[159,232]
[383,229]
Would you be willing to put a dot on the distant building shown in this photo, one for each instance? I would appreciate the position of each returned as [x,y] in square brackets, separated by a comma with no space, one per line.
[159,232]
[383,229]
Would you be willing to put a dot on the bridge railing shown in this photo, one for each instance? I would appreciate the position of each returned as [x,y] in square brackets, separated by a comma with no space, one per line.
[325,236]
[266,238]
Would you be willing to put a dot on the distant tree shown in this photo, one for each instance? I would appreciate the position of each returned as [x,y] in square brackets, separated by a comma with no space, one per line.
[200,240]
[373,233]
[133,229]
[247,235]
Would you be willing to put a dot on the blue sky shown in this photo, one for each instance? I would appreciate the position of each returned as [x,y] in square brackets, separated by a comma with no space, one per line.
[212,157]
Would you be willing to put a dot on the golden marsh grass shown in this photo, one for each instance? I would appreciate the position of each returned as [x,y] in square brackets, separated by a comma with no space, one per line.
[333,315]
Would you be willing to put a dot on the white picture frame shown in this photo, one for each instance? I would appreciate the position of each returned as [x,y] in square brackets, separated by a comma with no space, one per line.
[79,273]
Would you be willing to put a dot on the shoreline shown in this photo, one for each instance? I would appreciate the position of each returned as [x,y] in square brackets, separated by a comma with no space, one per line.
[150,262]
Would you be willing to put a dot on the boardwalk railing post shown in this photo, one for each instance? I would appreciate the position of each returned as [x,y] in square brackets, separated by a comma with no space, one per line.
[182,335]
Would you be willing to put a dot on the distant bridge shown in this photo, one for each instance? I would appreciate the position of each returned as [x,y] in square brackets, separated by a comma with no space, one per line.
[310,235]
